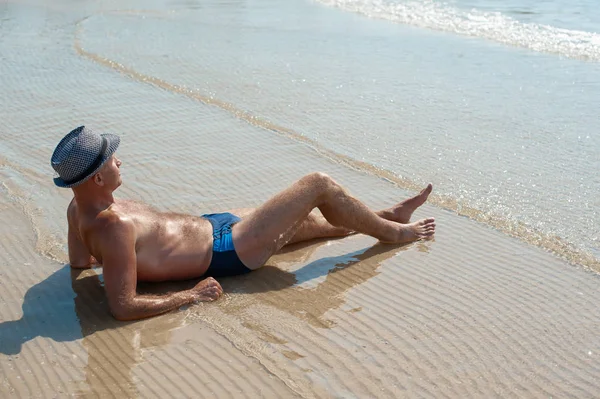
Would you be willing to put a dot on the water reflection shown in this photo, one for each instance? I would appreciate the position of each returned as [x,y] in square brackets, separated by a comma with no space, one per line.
[293,292]
[112,355]
[70,306]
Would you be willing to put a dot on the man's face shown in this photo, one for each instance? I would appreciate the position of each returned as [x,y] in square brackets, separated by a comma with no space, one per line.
[111,173]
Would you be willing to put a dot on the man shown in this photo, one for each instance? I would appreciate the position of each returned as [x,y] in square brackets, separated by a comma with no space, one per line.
[134,242]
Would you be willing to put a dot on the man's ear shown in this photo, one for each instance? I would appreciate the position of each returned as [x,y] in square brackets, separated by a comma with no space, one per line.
[98,179]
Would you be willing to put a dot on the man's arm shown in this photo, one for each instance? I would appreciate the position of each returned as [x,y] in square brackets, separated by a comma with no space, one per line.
[79,256]
[117,246]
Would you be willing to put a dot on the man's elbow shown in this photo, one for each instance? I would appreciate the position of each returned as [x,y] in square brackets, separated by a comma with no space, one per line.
[123,315]
[82,263]
[123,312]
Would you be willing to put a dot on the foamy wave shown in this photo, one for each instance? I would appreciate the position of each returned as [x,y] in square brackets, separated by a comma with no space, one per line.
[489,25]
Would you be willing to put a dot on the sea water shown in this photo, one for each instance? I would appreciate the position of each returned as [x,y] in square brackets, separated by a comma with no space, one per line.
[495,103]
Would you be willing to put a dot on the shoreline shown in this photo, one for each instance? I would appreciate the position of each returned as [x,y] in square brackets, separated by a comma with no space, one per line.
[528,234]
[473,313]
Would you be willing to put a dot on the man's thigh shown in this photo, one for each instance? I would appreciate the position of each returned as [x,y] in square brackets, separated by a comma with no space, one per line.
[267,228]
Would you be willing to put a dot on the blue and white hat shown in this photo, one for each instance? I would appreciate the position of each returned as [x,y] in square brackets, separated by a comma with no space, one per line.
[80,154]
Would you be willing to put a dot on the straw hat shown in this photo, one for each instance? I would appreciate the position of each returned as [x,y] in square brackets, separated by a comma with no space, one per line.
[80,154]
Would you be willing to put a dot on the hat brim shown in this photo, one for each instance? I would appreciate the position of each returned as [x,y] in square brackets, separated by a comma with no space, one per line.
[113,142]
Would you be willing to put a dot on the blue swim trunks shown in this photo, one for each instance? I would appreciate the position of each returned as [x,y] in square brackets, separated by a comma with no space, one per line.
[225,261]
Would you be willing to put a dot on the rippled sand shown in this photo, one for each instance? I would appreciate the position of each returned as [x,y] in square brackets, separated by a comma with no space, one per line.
[473,313]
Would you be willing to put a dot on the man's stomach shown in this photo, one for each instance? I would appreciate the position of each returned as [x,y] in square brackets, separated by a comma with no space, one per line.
[174,257]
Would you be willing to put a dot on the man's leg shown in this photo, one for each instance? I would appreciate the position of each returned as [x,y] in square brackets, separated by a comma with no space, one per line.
[269,227]
[313,226]
[316,226]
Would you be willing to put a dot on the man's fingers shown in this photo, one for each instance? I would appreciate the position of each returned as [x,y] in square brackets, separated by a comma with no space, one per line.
[214,291]
[209,289]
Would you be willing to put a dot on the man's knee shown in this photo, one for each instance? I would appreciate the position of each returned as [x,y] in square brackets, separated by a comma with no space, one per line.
[324,187]
[320,180]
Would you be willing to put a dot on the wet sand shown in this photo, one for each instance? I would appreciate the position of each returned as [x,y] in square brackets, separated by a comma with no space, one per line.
[472,313]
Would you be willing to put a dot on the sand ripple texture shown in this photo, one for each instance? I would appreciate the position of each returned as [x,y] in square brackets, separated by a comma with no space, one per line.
[472,314]
[507,138]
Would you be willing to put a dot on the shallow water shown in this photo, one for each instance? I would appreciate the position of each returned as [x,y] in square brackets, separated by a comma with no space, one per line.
[197,90]
[506,134]
[582,15]
[559,27]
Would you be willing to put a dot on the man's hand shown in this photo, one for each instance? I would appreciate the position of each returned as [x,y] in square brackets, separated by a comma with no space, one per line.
[207,290]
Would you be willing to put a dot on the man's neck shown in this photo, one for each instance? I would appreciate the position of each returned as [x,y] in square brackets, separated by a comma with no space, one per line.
[93,202]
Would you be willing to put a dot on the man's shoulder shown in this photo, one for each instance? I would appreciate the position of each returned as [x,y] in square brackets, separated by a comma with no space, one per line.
[109,222]
[113,220]
[110,232]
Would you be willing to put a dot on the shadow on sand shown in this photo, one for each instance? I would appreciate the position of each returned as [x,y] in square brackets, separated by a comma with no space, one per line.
[70,305]
[301,292]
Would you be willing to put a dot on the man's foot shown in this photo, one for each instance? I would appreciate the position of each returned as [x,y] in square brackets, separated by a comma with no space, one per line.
[402,211]
[419,230]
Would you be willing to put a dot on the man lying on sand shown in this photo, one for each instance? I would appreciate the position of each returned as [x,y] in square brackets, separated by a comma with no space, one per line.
[135,242]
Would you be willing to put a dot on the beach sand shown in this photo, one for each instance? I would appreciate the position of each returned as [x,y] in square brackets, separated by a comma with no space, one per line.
[472,313]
